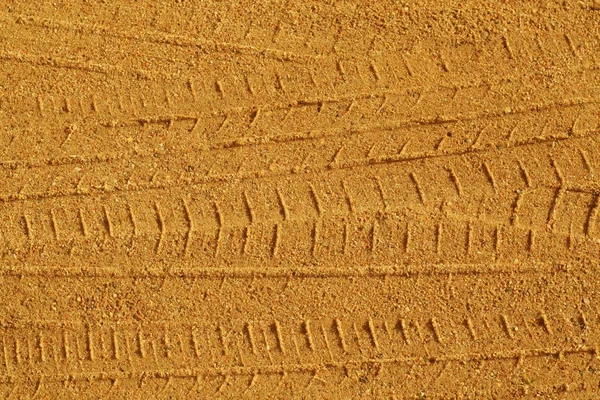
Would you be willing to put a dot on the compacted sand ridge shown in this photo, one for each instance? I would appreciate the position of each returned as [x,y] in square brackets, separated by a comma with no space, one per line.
[299,199]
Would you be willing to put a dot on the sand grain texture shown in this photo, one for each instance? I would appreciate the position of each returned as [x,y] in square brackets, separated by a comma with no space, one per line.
[285,199]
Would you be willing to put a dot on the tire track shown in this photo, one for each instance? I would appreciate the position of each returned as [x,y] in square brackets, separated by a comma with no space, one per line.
[344,242]
[161,38]
[308,200]
[301,119]
[233,382]
[509,337]
[521,182]
[362,139]
[333,39]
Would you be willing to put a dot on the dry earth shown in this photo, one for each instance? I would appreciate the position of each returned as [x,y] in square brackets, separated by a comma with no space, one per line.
[299,199]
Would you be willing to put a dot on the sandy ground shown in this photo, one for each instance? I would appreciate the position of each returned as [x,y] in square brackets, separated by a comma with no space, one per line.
[299,199]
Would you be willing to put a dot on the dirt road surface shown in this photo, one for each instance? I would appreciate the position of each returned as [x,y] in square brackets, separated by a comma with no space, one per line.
[299,199]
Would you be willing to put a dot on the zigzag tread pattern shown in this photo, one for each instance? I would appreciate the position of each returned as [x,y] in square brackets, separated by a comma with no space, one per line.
[553,196]
[327,353]
[311,199]
[166,103]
